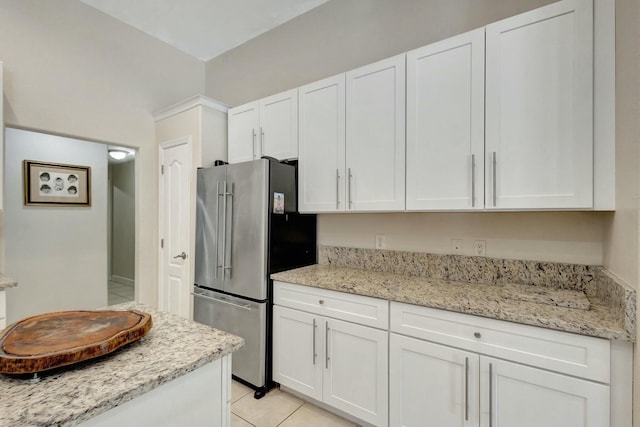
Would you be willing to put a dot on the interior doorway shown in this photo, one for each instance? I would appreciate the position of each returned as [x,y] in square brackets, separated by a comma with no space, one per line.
[121,219]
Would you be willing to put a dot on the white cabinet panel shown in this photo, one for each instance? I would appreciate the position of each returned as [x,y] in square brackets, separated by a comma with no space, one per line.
[375,127]
[432,382]
[539,108]
[244,125]
[267,127]
[322,146]
[356,378]
[445,124]
[528,397]
[279,126]
[297,361]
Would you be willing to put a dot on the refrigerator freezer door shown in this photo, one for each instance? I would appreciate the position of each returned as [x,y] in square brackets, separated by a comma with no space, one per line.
[244,318]
[209,202]
[245,263]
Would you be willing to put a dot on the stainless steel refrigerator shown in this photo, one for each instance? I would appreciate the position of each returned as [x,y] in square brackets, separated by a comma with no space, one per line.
[247,227]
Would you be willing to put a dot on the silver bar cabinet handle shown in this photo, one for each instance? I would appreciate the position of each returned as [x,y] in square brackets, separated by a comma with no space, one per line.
[337,188]
[253,143]
[493,170]
[350,176]
[217,229]
[466,389]
[314,341]
[230,195]
[326,345]
[490,394]
[261,143]
[473,180]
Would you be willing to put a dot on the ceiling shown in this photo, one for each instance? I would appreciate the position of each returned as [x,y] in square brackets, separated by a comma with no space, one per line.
[204,28]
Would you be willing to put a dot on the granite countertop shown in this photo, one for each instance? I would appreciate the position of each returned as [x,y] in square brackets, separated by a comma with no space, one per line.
[70,395]
[6,282]
[563,310]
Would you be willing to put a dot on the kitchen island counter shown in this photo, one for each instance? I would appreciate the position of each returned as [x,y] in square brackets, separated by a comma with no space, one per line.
[69,396]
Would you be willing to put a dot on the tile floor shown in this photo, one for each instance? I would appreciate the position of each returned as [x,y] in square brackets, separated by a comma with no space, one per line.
[119,293]
[278,408]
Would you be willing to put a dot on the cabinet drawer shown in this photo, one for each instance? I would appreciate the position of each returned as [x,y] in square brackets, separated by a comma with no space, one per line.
[352,308]
[564,352]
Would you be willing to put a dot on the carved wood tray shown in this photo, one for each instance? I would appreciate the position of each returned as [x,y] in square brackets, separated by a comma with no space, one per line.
[52,340]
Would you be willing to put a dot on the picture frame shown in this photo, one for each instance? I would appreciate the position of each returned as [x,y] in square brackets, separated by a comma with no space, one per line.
[56,184]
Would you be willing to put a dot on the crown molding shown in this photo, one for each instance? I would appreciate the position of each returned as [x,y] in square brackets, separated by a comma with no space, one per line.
[194,101]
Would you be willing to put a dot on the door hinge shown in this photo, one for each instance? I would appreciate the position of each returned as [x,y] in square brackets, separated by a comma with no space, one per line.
[161,243]
[161,169]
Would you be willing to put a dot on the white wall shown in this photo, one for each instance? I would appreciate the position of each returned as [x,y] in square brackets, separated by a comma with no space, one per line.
[123,221]
[71,70]
[58,254]
[571,237]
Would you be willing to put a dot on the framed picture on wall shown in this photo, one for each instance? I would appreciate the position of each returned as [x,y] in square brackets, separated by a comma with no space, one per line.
[54,184]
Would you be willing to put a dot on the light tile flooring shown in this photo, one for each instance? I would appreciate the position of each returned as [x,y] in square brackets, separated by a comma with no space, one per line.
[119,293]
[278,408]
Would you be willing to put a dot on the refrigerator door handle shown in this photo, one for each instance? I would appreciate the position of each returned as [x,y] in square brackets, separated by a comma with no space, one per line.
[224,228]
[217,222]
[230,195]
[245,306]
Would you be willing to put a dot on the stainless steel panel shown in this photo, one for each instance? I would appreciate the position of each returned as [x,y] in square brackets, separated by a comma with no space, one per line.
[208,254]
[244,318]
[247,229]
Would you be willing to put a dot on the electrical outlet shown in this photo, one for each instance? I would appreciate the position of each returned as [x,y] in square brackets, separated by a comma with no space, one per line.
[456,246]
[480,248]
[380,243]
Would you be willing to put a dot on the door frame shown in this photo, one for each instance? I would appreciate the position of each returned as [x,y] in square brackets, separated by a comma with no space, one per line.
[184,140]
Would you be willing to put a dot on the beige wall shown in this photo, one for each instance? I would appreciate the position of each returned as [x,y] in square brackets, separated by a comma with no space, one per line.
[122,223]
[341,35]
[71,70]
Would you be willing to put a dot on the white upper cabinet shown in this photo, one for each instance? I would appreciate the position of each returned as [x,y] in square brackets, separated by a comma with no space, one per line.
[539,109]
[267,127]
[321,178]
[375,128]
[445,124]
[244,125]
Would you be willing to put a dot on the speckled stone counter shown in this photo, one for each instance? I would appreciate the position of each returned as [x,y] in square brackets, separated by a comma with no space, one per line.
[528,304]
[6,282]
[68,396]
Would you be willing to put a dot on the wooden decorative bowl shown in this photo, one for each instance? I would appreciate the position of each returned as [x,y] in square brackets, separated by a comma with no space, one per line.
[52,340]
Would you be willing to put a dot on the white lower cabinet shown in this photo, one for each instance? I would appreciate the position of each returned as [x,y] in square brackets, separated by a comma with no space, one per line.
[340,363]
[433,384]
[523,396]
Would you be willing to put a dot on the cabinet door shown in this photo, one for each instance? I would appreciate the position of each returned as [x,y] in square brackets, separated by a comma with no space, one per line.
[522,396]
[356,370]
[445,124]
[375,115]
[431,385]
[244,125]
[322,150]
[297,359]
[539,108]
[279,126]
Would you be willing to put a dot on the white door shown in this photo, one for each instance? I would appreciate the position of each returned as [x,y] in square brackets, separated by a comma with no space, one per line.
[321,169]
[375,127]
[279,126]
[432,385]
[175,227]
[297,352]
[539,108]
[244,126]
[518,395]
[445,124]
[356,370]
